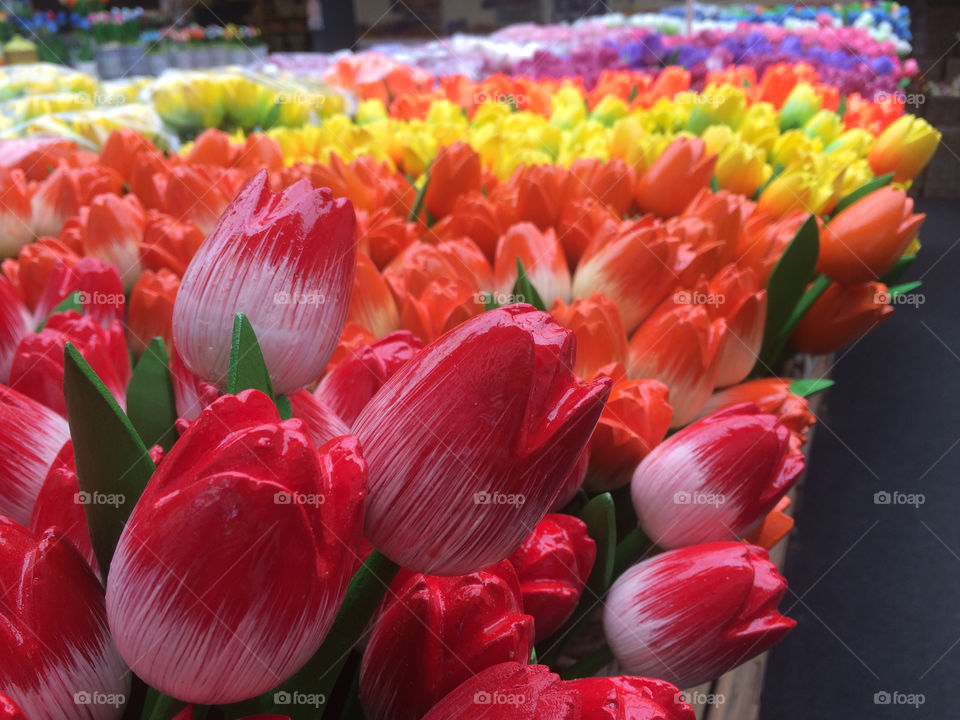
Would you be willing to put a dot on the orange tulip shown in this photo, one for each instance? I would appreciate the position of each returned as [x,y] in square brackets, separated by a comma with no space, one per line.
[634,421]
[168,243]
[54,200]
[612,183]
[779,80]
[382,235]
[773,396]
[444,304]
[372,304]
[259,152]
[773,528]
[96,180]
[538,188]
[121,150]
[33,267]
[764,239]
[698,252]
[476,217]
[15,212]
[113,233]
[455,171]
[726,212]
[741,305]
[631,265]
[596,323]
[675,177]
[672,79]
[542,258]
[413,269]
[677,346]
[190,195]
[352,338]
[841,315]
[865,240]
[149,173]
[212,147]
[151,309]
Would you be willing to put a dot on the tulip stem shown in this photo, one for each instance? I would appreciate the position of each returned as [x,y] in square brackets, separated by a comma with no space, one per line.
[164,706]
[320,674]
[590,664]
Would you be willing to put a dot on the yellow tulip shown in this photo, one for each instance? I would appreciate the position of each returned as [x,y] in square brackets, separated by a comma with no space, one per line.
[717,138]
[761,125]
[742,168]
[801,104]
[724,104]
[609,110]
[794,147]
[904,148]
[856,140]
[801,188]
[825,124]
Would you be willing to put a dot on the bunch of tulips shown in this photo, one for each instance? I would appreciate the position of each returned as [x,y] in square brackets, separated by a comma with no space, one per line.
[438,411]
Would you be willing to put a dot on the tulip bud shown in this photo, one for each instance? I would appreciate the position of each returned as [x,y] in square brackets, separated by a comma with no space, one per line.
[190,393]
[191,194]
[677,346]
[54,200]
[37,369]
[382,235]
[840,316]
[614,260]
[435,632]
[15,322]
[596,322]
[510,691]
[741,305]
[151,310]
[763,240]
[904,148]
[222,622]
[371,303]
[55,655]
[553,565]
[801,104]
[60,505]
[865,240]
[15,212]
[484,423]
[113,232]
[692,614]
[543,261]
[455,171]
[630,698]
[715,479]
[168,243]
[477,217]
[9,710]
[443,304]
[742,168]
[286,260]
[31,435]
[612,183]
[675,177]
[97,285]
[322,423]
[349,386]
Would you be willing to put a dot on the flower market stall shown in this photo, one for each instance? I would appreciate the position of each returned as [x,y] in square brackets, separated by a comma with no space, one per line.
[465,379]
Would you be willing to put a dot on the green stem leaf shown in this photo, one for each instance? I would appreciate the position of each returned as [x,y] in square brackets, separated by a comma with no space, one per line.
[589,664]
[151,404]
[523,288]
[805,387]
[600,518]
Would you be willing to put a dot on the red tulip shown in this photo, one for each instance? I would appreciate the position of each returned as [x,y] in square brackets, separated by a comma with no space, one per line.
[692,614]
[420,264]
[15,322]
[538,188]
[840,316]
[553,565]
[59,506]
[716,479]
[191,394]
[614,261]
[8,710]
[674,178]
[443,304]
[57,661]
[470,441]
[610,182]
[31,435]
[221,622]
[37,369]
[323,424]
[677,345]
[630,698]
[113,233]
[510,691]
[98,285]
[15,212]
[435,632]
[349,386]
[286,260]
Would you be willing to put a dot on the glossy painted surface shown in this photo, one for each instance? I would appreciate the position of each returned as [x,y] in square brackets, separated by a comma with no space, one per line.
[630,698]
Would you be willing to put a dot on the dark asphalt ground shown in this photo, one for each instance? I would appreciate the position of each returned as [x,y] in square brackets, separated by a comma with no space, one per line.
[874,587]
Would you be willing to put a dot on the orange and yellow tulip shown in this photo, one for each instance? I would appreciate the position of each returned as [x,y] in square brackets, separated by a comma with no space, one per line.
[904,148]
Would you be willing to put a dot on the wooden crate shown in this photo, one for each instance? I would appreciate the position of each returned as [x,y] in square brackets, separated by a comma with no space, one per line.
[942,176]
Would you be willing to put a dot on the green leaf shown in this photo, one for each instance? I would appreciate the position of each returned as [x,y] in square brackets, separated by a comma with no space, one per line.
[634,91]
[806,387]
[247,367]
[283,406]
[70,302]
[842,106]
[418,201]
[151,404]
[629,550]
[860,193]
[602,527]
[113,465]
[903,289]
[490,302]
[786,286]
[714,184]
[523,288]
[898,269]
